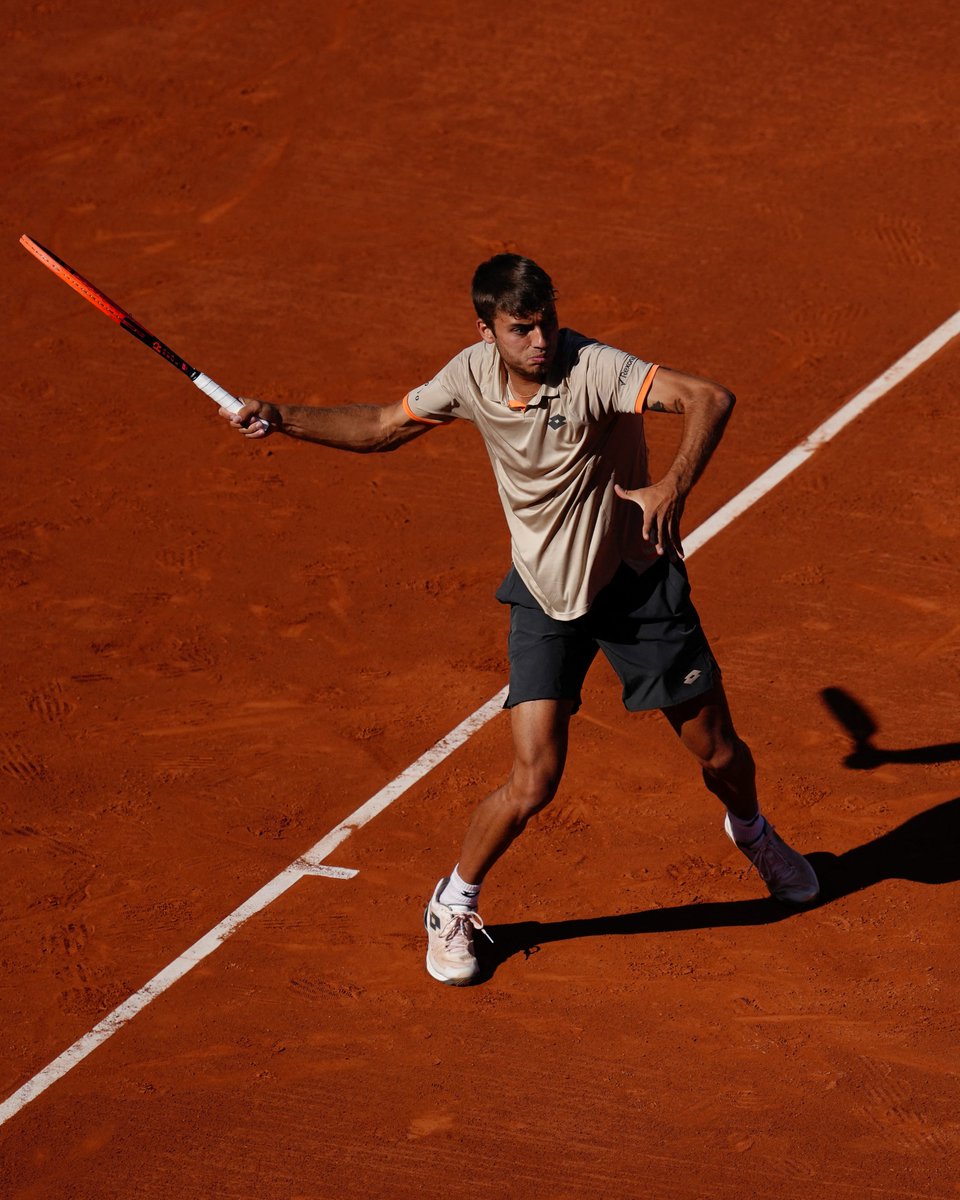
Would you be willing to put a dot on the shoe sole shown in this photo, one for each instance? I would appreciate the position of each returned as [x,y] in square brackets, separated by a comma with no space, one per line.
[796,901]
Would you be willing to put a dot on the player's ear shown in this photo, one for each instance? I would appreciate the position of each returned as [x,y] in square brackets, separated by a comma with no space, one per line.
[485,331]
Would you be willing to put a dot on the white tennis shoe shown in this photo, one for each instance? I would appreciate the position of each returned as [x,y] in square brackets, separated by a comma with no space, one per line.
[786,873]
[451,957]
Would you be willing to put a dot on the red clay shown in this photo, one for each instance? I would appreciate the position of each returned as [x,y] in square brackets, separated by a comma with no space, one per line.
[214,652]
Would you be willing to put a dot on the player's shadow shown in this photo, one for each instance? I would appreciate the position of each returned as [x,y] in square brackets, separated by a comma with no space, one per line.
[923,849]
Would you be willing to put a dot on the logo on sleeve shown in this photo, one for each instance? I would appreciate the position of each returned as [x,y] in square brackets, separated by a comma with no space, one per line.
[629,363]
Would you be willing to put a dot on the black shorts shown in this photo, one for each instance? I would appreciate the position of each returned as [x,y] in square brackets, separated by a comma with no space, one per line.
[645,625]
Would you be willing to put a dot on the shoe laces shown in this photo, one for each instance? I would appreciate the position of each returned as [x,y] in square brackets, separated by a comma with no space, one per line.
[456,927]
[767,856]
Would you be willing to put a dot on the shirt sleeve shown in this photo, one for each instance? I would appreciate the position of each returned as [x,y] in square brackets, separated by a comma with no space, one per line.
[634,377]
[436,402]
[615,381]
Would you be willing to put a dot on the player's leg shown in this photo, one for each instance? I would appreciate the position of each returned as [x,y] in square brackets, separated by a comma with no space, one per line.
[649,630]
[540,730]
[548,662]
[704,726]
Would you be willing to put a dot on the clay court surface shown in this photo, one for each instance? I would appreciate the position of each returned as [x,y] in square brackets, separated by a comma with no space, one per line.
[215,651]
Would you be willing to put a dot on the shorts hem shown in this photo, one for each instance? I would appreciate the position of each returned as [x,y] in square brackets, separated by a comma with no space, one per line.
[512,702]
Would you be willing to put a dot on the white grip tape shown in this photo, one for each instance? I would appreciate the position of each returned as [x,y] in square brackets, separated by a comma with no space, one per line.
[217,393]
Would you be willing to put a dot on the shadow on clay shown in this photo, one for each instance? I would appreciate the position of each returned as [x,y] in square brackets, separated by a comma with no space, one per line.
[923,850]
[859,725]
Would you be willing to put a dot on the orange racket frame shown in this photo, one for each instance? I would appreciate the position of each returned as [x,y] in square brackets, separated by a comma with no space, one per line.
[124,319]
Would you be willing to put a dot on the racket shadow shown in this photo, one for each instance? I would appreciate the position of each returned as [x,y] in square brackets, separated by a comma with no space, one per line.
[861,727]
[922,850]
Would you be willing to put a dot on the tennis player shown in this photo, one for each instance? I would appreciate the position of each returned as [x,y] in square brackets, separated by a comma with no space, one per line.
[597,564]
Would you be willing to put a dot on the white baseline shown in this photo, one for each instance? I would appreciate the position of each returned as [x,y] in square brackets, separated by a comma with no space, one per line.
[311,863]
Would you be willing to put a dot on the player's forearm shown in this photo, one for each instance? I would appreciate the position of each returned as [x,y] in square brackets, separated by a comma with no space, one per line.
[357,427]
[704,420]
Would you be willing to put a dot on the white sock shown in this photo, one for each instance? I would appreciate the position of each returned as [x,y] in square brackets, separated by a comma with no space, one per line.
[745,832]
[458,893]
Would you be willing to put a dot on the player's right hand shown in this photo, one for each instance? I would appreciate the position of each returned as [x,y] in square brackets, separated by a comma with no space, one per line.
[255,420]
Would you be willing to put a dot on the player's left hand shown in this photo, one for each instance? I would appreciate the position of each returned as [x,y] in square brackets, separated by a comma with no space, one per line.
[662,507]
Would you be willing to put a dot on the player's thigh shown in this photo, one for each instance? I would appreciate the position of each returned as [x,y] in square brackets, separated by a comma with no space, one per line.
[540,736]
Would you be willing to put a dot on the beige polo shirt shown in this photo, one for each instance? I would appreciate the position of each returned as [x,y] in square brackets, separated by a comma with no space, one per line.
[556,459]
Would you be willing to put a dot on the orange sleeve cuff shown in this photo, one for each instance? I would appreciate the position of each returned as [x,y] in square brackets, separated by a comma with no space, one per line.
[414,416]
[645,388]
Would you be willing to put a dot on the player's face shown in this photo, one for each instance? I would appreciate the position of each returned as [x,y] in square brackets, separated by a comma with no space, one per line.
[527,343]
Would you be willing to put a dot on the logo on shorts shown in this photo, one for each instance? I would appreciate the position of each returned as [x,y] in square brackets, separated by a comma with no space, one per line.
[692,677]
[557,420]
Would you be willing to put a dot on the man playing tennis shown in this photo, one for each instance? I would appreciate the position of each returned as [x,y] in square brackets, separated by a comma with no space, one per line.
[597,564]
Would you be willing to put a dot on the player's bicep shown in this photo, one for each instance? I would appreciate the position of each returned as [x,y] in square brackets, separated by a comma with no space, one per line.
[674,391]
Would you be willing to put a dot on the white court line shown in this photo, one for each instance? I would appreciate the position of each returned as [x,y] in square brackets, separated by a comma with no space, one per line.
[766,482]
[311,863]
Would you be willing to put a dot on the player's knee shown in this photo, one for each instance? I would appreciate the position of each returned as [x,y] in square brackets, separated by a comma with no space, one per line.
[532,788]
[725,756]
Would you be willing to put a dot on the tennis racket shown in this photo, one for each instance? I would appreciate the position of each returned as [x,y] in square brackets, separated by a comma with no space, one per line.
[97,298]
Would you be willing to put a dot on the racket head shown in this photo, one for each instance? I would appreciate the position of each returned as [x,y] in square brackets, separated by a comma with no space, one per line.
[75,280]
